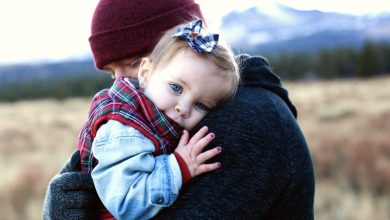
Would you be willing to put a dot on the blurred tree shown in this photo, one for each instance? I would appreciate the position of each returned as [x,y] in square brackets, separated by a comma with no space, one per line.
[369,60]
[326,64]
[346,62]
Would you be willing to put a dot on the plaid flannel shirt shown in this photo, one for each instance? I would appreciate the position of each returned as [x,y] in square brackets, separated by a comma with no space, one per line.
[125,103]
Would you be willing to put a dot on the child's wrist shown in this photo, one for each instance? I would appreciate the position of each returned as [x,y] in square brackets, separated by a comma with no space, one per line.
[185,172]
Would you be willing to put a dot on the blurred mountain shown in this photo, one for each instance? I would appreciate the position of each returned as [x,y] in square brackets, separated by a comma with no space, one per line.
[289,30]
[27,73]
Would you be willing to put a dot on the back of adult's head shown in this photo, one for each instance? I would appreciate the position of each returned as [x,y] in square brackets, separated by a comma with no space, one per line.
[123,29]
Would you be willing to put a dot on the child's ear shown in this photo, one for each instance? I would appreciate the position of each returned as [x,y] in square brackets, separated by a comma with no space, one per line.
[144,72]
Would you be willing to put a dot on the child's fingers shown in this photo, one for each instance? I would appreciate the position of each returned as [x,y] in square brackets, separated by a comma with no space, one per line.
[207,155]
[198,147]
[184,138]
[204,168]
[199,135]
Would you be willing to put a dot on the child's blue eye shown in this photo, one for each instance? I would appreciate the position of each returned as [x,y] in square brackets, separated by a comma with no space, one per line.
[176,88]
[202,107]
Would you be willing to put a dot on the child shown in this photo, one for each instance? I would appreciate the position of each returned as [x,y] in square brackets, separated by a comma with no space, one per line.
[133,128]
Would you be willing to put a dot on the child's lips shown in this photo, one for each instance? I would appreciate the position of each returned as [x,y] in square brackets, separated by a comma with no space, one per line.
[177,122]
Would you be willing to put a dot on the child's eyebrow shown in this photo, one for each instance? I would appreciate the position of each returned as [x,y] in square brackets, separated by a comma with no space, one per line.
[182,82]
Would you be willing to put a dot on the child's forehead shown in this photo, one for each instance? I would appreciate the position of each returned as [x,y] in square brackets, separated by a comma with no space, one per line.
[186,58]
[194,73]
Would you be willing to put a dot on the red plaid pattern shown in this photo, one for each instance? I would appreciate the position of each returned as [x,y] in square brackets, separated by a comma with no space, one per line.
[125,103]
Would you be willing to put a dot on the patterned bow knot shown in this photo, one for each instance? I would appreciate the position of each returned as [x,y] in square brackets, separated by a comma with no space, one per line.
[199,42]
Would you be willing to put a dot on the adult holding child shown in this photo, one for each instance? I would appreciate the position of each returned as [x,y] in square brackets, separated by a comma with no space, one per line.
[130,142]
[266,171]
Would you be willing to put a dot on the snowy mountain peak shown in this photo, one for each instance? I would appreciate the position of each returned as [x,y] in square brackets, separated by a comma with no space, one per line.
[272,24]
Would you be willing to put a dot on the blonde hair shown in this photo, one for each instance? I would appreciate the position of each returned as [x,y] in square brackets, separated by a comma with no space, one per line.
[222,56]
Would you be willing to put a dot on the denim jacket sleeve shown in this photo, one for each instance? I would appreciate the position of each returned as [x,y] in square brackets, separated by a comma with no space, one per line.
[130,181]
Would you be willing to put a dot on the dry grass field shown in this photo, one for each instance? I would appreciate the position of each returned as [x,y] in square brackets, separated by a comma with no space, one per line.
[346,123]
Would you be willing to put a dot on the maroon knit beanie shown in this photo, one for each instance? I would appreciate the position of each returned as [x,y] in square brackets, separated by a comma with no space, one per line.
[127,28]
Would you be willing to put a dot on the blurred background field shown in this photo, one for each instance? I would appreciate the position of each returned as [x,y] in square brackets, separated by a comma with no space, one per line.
[333,56]
[346,123]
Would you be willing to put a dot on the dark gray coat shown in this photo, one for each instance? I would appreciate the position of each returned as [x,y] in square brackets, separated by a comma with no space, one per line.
[266,172]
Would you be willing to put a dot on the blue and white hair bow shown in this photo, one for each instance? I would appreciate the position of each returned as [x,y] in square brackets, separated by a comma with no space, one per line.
[199,42]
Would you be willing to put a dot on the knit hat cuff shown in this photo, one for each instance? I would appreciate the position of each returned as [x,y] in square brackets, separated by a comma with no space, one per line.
[135,40]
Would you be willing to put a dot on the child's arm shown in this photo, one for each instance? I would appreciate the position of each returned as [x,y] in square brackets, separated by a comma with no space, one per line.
[130,181]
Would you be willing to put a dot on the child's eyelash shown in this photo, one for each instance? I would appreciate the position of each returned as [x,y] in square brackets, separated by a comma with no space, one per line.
[176,88]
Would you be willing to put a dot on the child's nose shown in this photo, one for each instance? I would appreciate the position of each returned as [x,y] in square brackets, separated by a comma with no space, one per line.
[183,109]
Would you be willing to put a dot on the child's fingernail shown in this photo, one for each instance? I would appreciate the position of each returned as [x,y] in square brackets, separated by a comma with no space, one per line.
[219,164]
[219,149]
[212,135]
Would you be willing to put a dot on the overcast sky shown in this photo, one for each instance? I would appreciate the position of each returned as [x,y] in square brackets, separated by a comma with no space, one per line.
[50,30]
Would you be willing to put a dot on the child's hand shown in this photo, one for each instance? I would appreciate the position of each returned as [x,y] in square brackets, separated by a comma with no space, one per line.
[191,152]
